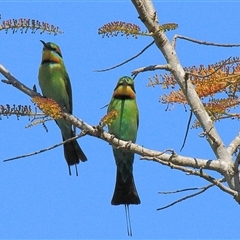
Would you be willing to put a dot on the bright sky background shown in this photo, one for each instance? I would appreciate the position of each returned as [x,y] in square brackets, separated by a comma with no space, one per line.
[38,199]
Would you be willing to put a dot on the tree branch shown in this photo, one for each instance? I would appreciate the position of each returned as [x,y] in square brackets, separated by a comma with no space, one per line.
[98,132]
[234,144]
[203,189]
[13,81]
[201,42]
[175,165]
[166,67]
[45,149]
[188,89]
[186,189]
[172,160]
[128,60]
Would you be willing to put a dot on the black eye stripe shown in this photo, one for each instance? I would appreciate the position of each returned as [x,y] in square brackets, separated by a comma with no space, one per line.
[51,47]
[56,51]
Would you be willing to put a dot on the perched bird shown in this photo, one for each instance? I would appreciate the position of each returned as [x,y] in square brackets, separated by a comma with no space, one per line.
[124,127]
[55,84]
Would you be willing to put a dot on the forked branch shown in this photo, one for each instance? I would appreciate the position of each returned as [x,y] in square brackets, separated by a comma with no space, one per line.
[201,190]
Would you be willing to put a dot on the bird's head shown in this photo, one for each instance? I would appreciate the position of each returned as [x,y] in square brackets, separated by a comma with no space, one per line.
[125,88]
[51,52]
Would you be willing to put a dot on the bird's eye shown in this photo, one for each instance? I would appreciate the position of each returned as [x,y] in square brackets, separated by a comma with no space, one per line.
[56,50]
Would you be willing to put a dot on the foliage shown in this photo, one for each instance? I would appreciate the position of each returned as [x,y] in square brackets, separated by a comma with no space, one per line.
[115,28]
[19,110]
[48,106]
[217,85]
[23,25]
[109,118]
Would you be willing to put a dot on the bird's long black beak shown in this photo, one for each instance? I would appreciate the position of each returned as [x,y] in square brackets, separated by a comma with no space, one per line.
[45,46]
[125,82]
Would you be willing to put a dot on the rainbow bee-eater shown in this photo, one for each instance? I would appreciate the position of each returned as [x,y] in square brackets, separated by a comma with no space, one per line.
[55,84]
[124,127]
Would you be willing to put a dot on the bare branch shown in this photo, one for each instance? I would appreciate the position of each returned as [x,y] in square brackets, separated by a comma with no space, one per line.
[187,197]
[172,160]
[175,165]
[183,190]
[234,144]
[130,59]
[45,149]
[236,167]
[13,81]
[146,153]
[201,42]
[186,133]
[166,67]
[148,5]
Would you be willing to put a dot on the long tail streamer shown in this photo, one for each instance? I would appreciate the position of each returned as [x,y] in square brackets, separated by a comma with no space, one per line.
[128,220]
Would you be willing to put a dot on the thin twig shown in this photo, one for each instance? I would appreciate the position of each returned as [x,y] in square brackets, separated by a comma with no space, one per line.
[201,42]
[130,59]
[182,190]
[186,134]
[190,171]
[187,197]
[44,150]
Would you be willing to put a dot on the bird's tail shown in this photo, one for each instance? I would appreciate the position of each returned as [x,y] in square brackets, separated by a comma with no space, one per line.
[73,152]
[125,192]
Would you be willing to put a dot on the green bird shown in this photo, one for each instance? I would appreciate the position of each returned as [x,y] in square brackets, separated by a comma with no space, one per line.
[124,127]
[55,84]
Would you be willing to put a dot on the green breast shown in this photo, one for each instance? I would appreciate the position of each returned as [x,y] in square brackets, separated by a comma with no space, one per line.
[53,84]
[126,124]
